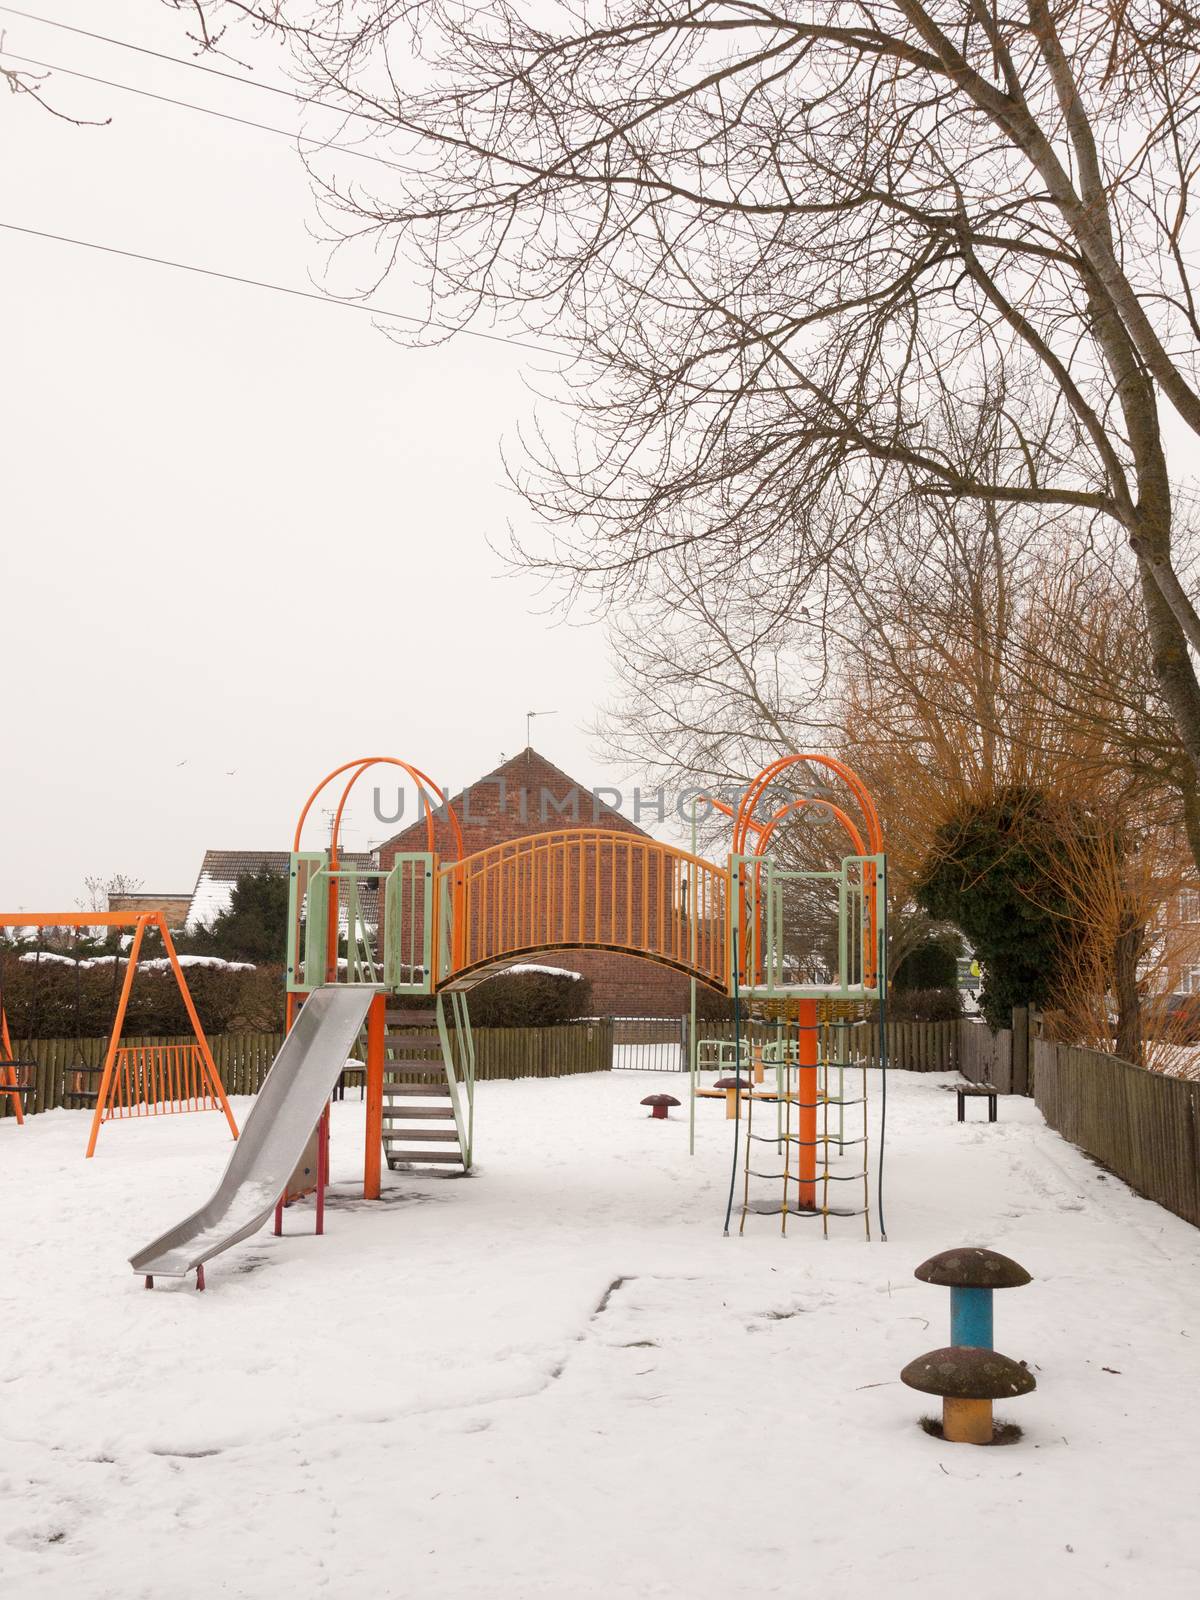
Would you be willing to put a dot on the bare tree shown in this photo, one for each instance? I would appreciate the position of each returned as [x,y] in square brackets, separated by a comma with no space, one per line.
[98,891]
[792,245]
[23,81]
[982,658]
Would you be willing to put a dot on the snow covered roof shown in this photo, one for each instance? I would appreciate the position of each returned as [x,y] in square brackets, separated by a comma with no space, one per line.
[221,869]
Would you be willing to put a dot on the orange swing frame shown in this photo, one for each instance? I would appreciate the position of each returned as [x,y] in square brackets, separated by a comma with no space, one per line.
[137,1081]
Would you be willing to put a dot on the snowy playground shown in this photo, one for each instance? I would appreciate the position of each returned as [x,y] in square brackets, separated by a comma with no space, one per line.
[556,1378]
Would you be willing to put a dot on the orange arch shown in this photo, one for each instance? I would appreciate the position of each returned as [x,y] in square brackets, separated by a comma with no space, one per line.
[360,765]
[766,829]
[745,819]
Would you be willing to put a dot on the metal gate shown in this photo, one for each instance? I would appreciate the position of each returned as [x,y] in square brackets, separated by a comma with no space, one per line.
[649,1044]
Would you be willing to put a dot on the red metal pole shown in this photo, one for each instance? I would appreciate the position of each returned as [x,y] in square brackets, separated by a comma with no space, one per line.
[322,1167]
[372,1156]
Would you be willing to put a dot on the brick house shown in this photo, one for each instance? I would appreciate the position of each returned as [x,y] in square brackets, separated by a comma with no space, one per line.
[1175,955]
[529,795]
[174,907]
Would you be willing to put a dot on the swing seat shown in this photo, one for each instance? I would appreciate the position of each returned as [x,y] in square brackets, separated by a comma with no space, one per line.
[82,1070]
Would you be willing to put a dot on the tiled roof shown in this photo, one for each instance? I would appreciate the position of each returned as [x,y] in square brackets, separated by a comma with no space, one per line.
[221,869]
[531,771]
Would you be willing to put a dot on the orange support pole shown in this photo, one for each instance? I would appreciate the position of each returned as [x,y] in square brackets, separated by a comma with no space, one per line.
[148,1068]
[806,1057]
[110,1058]
[372,1162]
[210,1066]
[9,1077]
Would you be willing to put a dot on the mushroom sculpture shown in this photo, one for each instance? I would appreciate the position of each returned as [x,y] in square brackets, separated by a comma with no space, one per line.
[969,1373]
[971,1274]
[968,1379]
[731,1087]
[660,1104]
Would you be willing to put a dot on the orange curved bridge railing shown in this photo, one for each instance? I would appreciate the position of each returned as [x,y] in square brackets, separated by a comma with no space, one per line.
[583,889]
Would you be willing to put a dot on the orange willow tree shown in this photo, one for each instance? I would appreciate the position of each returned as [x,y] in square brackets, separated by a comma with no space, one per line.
[1121,890]
[1020,696]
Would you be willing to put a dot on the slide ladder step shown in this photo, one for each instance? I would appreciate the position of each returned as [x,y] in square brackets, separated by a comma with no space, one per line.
[433,1135]
[419,1156]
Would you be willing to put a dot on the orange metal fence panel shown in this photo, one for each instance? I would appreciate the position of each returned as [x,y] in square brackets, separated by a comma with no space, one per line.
[158,1079]
[584,888]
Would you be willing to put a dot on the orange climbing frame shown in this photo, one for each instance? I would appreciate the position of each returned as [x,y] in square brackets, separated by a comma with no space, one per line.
[746,823]
[434,802]
[581,888]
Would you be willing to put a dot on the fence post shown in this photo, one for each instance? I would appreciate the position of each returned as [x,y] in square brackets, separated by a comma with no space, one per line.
[1020,1050]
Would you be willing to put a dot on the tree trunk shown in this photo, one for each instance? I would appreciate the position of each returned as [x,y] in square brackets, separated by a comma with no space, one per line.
[1129,1002]
[1191,812]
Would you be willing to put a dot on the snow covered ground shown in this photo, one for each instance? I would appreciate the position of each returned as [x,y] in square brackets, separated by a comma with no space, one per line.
[557,1378]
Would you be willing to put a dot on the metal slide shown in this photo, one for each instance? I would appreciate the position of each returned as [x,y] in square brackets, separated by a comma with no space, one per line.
[275,1134]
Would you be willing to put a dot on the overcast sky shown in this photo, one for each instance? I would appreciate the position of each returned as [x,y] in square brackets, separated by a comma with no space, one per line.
[245,537]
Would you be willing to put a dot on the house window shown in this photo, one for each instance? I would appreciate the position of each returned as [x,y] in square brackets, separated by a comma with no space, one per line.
[1189,905]
[1189,980]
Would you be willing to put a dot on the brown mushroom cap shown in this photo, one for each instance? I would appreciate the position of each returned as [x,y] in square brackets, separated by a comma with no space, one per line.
[962,1372]
[969,1267]
[732,1083]
[660,1100]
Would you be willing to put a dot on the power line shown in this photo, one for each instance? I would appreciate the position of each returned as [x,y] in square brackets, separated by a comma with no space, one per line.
[207,111]
[194,66]
[249,83]
[282,288]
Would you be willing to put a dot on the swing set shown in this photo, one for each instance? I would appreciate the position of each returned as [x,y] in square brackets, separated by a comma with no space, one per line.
[135,1080]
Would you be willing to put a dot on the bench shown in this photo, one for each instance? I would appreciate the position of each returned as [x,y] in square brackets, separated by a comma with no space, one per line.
[962,1090]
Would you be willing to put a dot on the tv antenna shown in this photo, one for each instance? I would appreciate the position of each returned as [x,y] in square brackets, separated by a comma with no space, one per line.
[529,716]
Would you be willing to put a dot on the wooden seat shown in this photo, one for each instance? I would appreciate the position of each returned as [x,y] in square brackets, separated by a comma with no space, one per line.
[974,1090]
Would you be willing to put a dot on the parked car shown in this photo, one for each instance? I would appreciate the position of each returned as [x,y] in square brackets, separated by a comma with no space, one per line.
[1181,1019]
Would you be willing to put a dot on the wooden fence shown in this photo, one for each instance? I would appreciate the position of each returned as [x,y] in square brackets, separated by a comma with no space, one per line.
[912,1046]
[243,1059]
[984,1056]
[919,1046]
[557,1052]
[1143,1126]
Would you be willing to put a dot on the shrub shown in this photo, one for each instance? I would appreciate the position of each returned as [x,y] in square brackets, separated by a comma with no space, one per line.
[924,1005]
[529,1000]
[932,965]
[254,925]
[992,874]
[41,1000]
